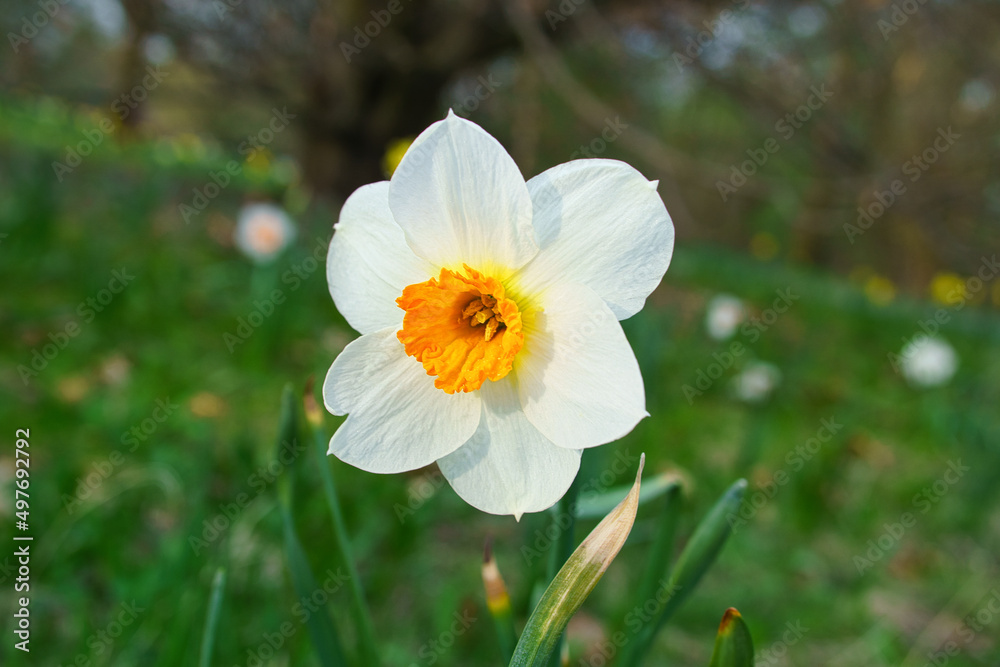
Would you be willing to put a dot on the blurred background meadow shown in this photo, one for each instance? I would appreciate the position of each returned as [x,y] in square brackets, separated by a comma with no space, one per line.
[828,328]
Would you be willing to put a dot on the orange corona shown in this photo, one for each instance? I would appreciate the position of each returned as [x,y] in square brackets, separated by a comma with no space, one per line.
[462,328]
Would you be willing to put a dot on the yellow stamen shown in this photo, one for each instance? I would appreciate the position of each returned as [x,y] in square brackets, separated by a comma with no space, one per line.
[441,329]
[473,308]
[491,328]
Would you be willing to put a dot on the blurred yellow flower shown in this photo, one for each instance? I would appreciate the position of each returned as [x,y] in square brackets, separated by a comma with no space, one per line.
[764,246]
[947,288]
[394,154]
[259,161]
[879,290]
[73,388]
[188,147]
[206,404]
[909,70]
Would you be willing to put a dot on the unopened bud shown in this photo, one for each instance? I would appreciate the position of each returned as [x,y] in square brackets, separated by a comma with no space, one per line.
[497,598]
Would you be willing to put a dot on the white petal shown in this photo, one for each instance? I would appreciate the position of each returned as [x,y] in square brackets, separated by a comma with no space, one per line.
[460,198]
[397,419]
[602,224]
[578,378]
[369,262]
[508,467]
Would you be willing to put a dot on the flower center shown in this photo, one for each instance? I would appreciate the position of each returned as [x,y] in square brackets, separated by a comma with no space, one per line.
[462,328]
[266,237]
[481,311]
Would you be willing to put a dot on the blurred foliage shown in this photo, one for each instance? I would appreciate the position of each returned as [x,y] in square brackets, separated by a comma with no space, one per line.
[692,93]
[148,486]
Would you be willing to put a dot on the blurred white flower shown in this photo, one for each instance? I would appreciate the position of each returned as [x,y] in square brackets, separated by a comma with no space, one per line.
[756,381]
[977,95]
[263,231]
[724,315]
[928,362]
[806,20]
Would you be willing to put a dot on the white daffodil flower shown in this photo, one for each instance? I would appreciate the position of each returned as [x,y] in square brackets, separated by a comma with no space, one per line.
[928,362]
[489,311]
[263,231]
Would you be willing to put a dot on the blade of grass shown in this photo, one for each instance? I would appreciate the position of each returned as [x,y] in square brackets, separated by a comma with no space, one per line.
[698,555]
[212,618]
[658,561]
[325,639]
[597,506]
[323,633]
[367,647]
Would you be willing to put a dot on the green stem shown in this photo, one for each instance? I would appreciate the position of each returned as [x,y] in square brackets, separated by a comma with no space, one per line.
[658,561]
[359,605]
[506,634]
[212,619]
[565,522]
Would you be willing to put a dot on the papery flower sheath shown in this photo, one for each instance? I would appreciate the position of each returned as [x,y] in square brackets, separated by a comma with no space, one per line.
[489,316]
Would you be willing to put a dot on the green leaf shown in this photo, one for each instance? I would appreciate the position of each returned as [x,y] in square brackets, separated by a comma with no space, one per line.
[288,434]
[367,645]
[574,582]
[658,562]
[698,555]
[598,505]
[212,618]
[324,635]
[733,645]
[706,543]
[325,638]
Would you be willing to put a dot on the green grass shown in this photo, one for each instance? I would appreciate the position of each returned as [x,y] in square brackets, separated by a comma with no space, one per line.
[162,339]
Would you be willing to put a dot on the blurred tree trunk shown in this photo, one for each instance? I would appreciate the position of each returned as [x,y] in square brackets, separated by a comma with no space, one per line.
[142,22]
[341,153]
